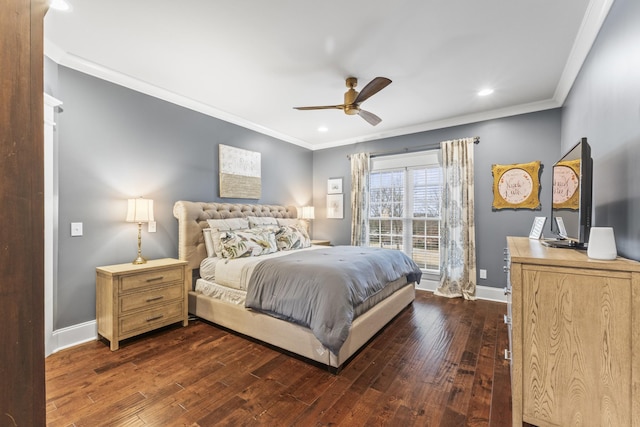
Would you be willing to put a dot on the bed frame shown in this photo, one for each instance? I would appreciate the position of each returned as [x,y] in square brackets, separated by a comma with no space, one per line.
[192,219]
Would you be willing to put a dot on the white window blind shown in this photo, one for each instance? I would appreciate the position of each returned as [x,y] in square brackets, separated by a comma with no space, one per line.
[404,206]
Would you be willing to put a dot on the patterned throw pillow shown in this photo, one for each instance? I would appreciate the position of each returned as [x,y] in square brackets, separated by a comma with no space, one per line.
[236,244]
[218,226]
[292,237]
[296,222]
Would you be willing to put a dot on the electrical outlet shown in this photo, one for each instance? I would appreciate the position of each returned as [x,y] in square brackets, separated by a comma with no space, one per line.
[152,226]
[76,229]
[483,273]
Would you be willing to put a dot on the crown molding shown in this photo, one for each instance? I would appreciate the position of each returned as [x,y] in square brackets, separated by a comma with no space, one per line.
[96,70]
[596,13]
[594,17]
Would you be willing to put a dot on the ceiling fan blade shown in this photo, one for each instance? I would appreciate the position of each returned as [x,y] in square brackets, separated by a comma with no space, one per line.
[373,87]
[371,118]
[321,107]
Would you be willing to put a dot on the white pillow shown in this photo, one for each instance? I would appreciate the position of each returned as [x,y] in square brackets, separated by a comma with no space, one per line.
[208,242]
[228,224]
[261,221]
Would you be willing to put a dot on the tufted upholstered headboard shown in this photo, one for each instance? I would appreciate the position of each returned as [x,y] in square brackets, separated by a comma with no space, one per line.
[192,219]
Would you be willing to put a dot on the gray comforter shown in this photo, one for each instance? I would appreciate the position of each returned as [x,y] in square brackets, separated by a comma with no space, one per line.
[319,289]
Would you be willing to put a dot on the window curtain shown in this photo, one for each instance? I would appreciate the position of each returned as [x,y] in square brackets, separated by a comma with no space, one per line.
[359,199]
[458,236]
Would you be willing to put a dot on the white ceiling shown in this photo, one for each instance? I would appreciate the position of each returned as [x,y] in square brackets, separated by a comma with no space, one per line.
[249,62]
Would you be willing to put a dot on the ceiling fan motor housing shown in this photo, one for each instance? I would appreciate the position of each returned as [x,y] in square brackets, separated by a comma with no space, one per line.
[350,96]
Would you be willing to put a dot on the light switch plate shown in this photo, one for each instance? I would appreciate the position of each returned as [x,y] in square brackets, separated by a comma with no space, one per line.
[483,274]
[152,226]
[76,229]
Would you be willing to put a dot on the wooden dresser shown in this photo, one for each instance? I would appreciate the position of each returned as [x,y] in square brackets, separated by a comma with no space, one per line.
[132,299]
[575,337]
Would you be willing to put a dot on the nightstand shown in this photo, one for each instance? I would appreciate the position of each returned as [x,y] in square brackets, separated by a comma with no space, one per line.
[133,299]
[321,242]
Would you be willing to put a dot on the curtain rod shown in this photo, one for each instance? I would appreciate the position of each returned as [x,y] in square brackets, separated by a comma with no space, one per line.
[476,140]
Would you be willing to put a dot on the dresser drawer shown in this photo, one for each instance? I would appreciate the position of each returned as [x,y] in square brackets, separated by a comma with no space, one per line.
[150,319]
[136,281]
[150,298]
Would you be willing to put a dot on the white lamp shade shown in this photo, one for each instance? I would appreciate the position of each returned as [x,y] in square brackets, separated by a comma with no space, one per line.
[602,244]
[140,210]
[308,212]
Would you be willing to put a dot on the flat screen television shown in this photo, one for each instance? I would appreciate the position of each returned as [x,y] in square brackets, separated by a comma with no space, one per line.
[572,179]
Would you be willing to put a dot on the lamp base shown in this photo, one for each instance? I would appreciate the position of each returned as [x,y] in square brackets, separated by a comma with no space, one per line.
[139,260]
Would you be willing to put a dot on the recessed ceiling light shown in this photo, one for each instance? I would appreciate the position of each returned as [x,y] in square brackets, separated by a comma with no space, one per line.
[59,4]
[485,92]
[323,129]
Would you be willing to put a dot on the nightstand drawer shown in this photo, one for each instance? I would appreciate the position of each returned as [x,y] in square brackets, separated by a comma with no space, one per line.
[150,278]
[148,299]
[151,319]
[135,298]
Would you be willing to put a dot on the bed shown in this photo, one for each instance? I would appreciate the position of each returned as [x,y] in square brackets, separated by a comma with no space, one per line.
[195,221]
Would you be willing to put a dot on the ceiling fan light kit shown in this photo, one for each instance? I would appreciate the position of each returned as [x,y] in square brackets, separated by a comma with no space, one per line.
[353,99]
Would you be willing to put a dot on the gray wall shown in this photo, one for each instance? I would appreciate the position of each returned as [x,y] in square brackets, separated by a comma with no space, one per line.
[604,106]
[517,139]
[114,144]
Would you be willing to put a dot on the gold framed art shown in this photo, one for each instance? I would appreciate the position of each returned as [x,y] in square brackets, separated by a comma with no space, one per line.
[516,186]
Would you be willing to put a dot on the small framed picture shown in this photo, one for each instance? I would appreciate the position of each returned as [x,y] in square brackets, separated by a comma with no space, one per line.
[536,228]
[335,208]
[334,186]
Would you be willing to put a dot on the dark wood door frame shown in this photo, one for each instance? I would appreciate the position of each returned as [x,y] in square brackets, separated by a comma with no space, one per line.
[22,388]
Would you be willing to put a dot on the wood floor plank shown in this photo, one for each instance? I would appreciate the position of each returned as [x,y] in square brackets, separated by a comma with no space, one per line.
[438,363]
[478,411]
[500,405]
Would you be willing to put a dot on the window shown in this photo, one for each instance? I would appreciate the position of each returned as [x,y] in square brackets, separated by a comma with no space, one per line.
[404,206]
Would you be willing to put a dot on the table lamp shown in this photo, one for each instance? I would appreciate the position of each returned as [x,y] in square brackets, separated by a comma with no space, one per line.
[140,210]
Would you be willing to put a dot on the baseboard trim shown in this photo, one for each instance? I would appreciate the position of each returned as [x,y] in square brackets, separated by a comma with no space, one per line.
[74,335]
[487,293]
[88,331]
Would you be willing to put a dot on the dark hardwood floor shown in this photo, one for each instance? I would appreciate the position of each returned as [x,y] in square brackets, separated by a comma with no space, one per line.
[439,363]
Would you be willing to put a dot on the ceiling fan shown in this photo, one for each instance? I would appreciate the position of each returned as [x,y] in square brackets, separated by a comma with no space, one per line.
[353,99]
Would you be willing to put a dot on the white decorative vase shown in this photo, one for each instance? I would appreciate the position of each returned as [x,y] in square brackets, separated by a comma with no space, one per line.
[602,243]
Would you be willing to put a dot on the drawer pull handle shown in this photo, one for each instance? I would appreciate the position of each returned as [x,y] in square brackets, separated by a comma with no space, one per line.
[507,320]
[507,291]
[155,298]
[507,355]
[153,279]
[151,319]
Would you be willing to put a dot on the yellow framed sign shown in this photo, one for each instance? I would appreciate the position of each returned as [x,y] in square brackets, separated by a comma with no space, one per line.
[516,186]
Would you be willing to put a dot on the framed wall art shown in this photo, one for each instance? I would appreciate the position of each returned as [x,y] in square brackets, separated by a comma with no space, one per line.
[334,186]
[240,173]
[516,186]
[335,207]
